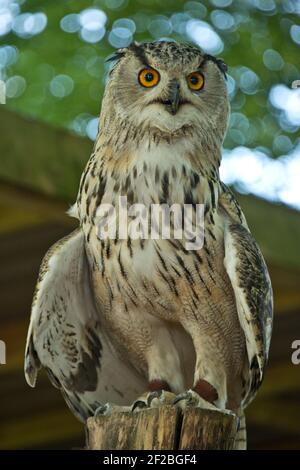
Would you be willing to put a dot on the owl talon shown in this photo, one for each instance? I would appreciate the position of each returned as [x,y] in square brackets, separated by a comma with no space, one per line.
[153,396]
[192,399]
[109,408]
[145,401]
[154,400]
[139,405]
[102,410]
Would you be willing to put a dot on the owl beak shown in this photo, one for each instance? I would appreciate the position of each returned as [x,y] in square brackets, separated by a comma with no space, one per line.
[172,104]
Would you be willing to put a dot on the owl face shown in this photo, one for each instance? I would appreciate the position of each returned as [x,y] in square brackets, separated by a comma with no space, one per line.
[169,87]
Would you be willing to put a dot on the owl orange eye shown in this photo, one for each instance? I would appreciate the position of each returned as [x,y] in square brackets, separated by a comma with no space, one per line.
[149,77]
[195,81]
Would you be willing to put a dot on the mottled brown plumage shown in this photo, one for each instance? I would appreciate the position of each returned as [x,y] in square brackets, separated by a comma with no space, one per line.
[124,312]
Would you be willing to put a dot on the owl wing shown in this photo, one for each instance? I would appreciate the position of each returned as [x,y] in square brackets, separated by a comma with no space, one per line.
[251,284]
[67,338]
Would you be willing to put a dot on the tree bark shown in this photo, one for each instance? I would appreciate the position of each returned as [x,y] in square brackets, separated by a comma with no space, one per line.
[163,428]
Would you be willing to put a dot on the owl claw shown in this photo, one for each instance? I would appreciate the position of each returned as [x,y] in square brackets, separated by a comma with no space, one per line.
[157,394]
[192,399]
[139,405]
[102,410]
[146,401]
[109,408]
[153,400]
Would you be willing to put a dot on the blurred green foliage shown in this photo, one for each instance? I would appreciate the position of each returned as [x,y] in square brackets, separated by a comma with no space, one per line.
[58,76]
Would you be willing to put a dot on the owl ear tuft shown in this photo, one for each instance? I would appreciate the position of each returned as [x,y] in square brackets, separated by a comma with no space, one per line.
[118,54]
[115,56]
[135,44]
[219,63]
[114,59]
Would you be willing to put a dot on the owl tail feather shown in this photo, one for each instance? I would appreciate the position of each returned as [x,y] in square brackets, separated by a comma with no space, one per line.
[241,437]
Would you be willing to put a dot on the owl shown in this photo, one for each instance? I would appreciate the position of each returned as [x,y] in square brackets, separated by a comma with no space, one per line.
[121,321]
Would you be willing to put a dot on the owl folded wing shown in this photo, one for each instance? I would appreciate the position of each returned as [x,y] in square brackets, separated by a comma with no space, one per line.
[251,284]
[63,329]
[66,335]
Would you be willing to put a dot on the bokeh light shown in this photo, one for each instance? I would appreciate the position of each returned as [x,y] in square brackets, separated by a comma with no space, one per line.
[61,86]
[288,101]
[202,34]
[27,24]
[252,171]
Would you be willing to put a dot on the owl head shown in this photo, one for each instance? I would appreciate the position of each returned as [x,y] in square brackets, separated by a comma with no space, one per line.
[169,87]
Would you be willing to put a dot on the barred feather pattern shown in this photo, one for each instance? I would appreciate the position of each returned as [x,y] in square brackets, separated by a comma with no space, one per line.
[137,279]
[153,308]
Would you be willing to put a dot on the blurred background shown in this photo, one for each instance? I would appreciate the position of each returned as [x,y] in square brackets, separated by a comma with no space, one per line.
[52,62]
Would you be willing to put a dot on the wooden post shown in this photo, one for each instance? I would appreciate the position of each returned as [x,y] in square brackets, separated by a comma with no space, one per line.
[164,428]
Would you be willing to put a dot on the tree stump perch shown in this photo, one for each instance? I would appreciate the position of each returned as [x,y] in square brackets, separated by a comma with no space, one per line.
[164,428]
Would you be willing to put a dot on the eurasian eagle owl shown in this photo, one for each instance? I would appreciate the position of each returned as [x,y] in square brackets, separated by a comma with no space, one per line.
[114,317]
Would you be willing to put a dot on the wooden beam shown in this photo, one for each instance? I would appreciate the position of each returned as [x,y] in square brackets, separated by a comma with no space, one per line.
[276,227]
[41,157]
